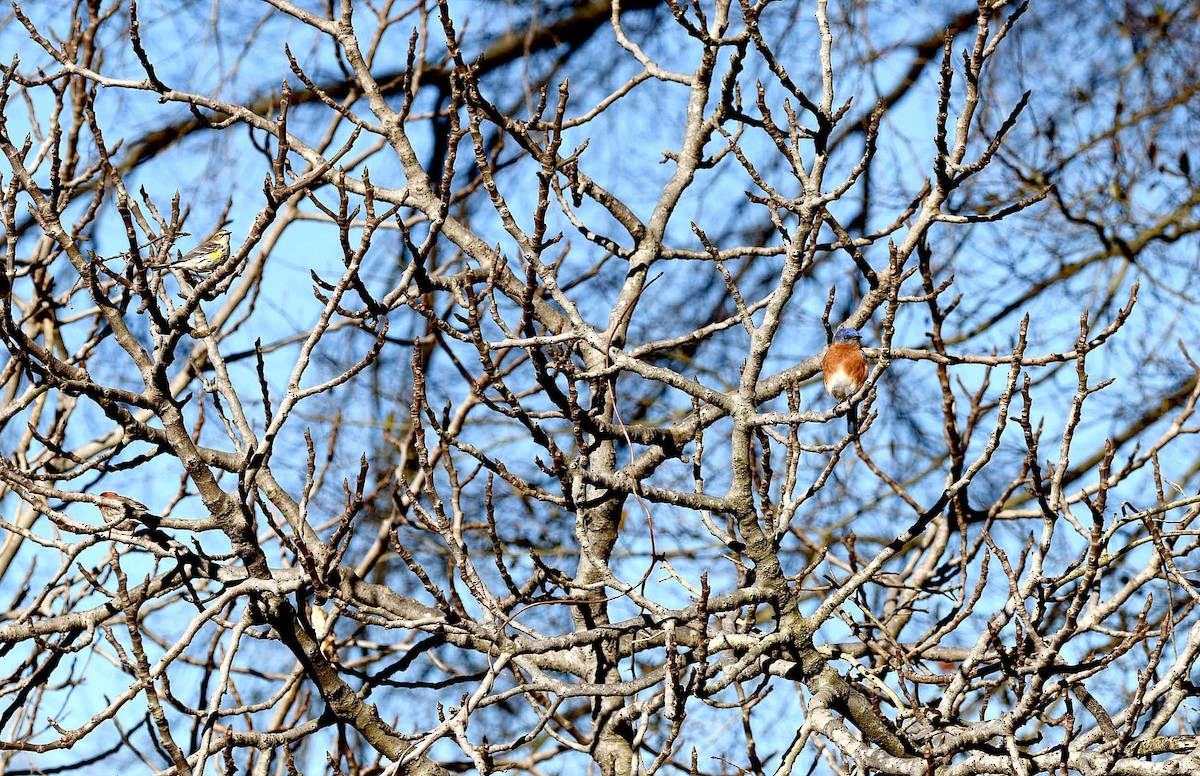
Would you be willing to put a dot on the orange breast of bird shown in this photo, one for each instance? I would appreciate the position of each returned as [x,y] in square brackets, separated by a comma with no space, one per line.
[845,369]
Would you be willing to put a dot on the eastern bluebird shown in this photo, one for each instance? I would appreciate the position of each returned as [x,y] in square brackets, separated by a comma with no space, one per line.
[845,369]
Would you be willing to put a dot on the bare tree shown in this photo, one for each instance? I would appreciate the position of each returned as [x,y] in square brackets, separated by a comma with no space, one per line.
[494,441]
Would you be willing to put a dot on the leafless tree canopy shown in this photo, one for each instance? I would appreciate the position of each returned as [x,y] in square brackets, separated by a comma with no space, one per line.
[498,443]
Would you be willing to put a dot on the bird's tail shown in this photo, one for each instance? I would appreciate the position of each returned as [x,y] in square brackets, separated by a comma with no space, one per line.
[852,419]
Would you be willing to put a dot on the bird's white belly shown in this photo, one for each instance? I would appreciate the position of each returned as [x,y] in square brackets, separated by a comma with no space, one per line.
[840,385]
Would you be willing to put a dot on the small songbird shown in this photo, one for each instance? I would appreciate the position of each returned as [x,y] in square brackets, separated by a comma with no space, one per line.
[845,369]
[129,508]
[136,517]
[205,257]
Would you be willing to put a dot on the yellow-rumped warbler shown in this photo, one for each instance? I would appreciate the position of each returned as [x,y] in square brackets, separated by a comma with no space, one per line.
[205,257]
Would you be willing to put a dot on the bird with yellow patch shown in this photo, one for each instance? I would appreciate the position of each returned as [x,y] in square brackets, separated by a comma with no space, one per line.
[205,257]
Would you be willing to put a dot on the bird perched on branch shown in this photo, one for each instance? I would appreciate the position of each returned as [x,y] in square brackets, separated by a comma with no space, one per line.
[128,510]
[137,518]
[205,257]
[845,369]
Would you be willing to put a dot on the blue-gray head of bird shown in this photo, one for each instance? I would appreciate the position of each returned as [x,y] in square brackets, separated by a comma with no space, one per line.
[846,334]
